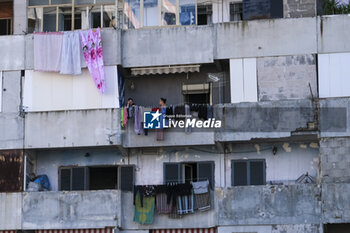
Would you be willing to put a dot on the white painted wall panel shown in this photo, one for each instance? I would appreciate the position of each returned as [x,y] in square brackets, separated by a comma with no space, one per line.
[243,80]
[236,80]
[250,85]
[0,91]
[10,211]
[45,91]
[334,75]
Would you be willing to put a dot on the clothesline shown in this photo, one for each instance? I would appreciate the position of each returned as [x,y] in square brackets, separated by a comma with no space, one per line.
[178,182]
[180,104]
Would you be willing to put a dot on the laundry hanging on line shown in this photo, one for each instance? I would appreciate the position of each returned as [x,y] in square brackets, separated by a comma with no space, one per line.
[61,52]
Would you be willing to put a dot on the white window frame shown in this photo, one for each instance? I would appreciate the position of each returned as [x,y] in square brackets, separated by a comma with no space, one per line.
[177,14]
[73,6]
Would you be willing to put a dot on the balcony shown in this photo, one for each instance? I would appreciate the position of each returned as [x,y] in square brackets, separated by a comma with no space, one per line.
[172,137]
[243,205]
[203,44]
[272,119]
[76,128]
[284,204]
[71,210]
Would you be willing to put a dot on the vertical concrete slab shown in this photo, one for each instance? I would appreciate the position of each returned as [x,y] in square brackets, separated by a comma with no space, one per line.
[20,20]
[10,211]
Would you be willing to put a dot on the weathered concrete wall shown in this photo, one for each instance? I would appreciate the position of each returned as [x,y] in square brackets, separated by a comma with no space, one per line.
[299,8]
[286,77]
[72,128]
[270,119]
[71,210]
[274,37]
[246,205]
[11,123]
[288,164]
[11,170]
[335,199]
[335,160]
[20,20]
[295,228]
[10,211]
[49,161]
[335,117]
[13,52]
[168,46]
[197,220]
[332,25]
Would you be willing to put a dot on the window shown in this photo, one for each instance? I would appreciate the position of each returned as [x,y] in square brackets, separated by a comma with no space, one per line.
[64,16]
[196,93]
[96,178]
[6,15]
[248,172]
[187,172]
[236,11]
[5,26]
[204,13]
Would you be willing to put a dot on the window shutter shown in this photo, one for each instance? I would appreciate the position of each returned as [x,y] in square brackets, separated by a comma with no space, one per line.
[172,172]
[205,171]
[126,178]
[78,178]
[239,173]
[65,179]
[257,172]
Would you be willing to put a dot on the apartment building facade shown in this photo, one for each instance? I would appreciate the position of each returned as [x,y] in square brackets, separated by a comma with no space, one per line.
[274,72]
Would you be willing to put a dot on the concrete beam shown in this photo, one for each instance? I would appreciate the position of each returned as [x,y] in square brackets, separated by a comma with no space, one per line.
[72,128]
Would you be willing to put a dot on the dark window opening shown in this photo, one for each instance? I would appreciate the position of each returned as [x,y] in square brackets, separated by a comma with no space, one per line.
[236,13]
[103,178]
[68,22]
[5,26]
[203,98]
[187,172]
[248,172]
[96,19]
[96,178]
[204,13]
[336,228]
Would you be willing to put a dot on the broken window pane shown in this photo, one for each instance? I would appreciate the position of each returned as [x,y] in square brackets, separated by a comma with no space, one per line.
[35,19]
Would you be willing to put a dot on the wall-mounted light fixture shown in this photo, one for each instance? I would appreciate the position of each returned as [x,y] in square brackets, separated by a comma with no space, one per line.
[274,150]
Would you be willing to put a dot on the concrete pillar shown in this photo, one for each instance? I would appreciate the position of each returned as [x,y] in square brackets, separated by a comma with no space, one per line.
[20,22]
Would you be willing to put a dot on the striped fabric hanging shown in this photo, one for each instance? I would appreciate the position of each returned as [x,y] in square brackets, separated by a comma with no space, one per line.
[103,230]
[195,230]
